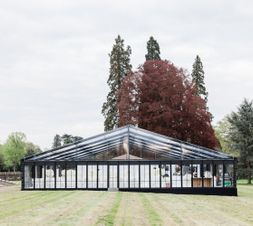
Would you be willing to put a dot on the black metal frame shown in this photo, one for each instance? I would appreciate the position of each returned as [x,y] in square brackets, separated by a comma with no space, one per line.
[184,190]
[165,150]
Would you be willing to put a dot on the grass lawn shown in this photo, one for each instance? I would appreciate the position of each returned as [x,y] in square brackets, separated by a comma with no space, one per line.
[118,208]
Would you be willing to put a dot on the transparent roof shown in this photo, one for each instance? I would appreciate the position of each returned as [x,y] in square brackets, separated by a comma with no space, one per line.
[127,141]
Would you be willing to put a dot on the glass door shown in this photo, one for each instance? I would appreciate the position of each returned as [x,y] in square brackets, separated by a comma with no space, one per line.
[113,176]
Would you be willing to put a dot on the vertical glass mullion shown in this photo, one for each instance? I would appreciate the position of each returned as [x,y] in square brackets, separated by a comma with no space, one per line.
[97,175]
[128,174]
[181,173]
[76,185]
[170,176]
[149,176]
[44,176]
[234,173]
[191,174]
[54,175]
[34,176]
[108,175]
[223,174]
[202,173]
[213,172]
[139,174]
[160,174]
[66,176]
[118,171]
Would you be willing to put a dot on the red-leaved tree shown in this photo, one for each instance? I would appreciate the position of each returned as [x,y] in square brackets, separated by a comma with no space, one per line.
[159,97]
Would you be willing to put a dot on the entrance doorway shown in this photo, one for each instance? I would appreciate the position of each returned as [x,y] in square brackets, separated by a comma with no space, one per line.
[113,176]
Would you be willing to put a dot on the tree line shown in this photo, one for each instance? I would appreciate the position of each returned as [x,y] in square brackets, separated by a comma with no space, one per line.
[164,98]
[158,96]
[64,140]
[235,134]
[17,147]
[14,149]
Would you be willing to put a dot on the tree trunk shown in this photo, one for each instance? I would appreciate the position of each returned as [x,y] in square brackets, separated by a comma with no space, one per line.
[249,173]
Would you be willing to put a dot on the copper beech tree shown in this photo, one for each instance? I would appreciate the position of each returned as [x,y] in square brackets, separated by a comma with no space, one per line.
[159,97]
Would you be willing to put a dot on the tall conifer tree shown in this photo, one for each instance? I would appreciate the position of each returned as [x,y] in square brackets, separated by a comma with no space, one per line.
[198,76]
[153,49]
[67,139]
[119,67]
[57,141]
[242,136]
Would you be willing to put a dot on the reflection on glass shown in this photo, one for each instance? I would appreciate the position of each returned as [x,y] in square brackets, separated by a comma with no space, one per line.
[228,175]
[176,175]
[50,176]
[134,176]
[28,176]
[39,176]
[60,176]
[113,176]
[92,176]
[102,176]
[123,176]
[196,175]
[165,176]
[218,175]
[187,175]
[207,175]
[81,176]
[155,176]
[144,176]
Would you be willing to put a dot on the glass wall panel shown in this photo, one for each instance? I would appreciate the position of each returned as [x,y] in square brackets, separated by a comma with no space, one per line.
[165,173]
[144,176]
[196,175]
[113,176]
[187,175]
[28,176]
[176,175]
[81,176]
[228,175]
[60,175]
[155,175]
[207,175]
[134,176]
[50,176]
[123,176]
[218,175]
[92,176]
[71,176]
[102,176]
[39,176]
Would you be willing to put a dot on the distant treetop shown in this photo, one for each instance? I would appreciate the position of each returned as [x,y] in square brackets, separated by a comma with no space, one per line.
[153,49]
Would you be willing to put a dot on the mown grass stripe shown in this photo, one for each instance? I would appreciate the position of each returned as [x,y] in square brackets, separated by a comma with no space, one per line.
[170,212]
[153,216]
[127,220]
[30,204]
[17,197]
[109,218]
[70,216]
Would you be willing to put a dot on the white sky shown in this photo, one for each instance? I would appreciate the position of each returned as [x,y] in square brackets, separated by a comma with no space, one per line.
[54,57]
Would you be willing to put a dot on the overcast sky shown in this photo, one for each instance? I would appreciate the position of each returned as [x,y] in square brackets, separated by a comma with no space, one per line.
[54,57]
